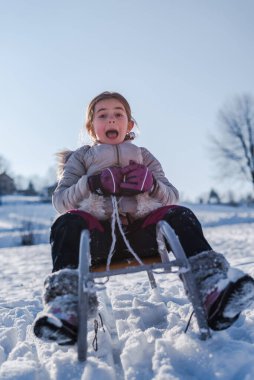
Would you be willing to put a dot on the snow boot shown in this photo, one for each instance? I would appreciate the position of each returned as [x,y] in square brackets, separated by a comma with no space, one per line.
[225,291]
[59,319]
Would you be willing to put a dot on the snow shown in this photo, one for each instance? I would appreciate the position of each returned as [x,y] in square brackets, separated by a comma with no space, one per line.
[144,330]
[20,216]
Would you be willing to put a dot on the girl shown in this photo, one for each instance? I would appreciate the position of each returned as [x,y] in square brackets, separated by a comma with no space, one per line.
[113,178]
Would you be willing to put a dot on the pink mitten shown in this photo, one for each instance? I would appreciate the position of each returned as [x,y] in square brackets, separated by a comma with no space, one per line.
[107,182]
[137,179]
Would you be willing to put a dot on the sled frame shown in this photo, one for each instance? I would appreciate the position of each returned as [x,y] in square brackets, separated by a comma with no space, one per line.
[160,262]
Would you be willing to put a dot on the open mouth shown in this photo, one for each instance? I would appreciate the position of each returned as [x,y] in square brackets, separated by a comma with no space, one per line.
[112,134]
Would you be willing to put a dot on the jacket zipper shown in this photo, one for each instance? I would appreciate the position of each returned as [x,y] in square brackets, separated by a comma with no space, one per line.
[118,164]
[117,155]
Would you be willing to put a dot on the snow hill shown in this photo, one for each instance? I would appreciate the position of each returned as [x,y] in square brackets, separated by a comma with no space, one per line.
[143,336]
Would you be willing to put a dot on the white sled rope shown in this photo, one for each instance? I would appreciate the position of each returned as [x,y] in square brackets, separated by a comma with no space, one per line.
[180,261]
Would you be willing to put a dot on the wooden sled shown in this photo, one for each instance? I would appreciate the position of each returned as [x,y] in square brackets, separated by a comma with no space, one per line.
[161,261]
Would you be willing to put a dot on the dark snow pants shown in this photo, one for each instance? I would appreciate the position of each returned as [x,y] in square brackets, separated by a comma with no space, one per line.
[141,234]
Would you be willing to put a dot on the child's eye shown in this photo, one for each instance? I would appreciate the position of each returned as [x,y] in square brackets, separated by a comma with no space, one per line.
[102,116]
[119,115]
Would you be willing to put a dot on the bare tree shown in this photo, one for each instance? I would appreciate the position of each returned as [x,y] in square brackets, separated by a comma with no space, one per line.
[233,147]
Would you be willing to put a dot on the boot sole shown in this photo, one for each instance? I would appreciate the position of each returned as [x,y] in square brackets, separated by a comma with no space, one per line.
[241,299]
[58,331]
[234,299]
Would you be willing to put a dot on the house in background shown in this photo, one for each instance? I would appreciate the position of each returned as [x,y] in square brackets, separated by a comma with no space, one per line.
[7,185]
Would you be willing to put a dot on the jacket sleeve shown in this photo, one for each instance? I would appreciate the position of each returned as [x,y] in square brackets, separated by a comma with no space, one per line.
[72,187]
[163,190]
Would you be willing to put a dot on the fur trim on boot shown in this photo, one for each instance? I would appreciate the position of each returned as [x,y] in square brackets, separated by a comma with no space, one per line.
[209,268]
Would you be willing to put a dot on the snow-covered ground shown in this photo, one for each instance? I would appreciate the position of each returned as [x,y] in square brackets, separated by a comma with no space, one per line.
[24,217]
[143,336]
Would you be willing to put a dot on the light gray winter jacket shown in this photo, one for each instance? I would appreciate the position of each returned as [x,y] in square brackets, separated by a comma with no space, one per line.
[73,191]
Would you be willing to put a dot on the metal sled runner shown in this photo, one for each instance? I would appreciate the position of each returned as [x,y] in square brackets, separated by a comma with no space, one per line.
[164,234]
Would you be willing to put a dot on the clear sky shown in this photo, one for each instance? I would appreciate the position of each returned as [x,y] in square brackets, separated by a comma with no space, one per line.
[176,61]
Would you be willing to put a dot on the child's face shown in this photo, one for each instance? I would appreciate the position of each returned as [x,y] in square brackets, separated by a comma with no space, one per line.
[110,121]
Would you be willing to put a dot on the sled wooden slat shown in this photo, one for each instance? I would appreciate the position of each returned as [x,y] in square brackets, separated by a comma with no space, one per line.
[126,264]
[134,269]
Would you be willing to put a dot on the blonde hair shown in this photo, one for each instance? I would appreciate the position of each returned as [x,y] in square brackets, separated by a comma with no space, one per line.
[103,96]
